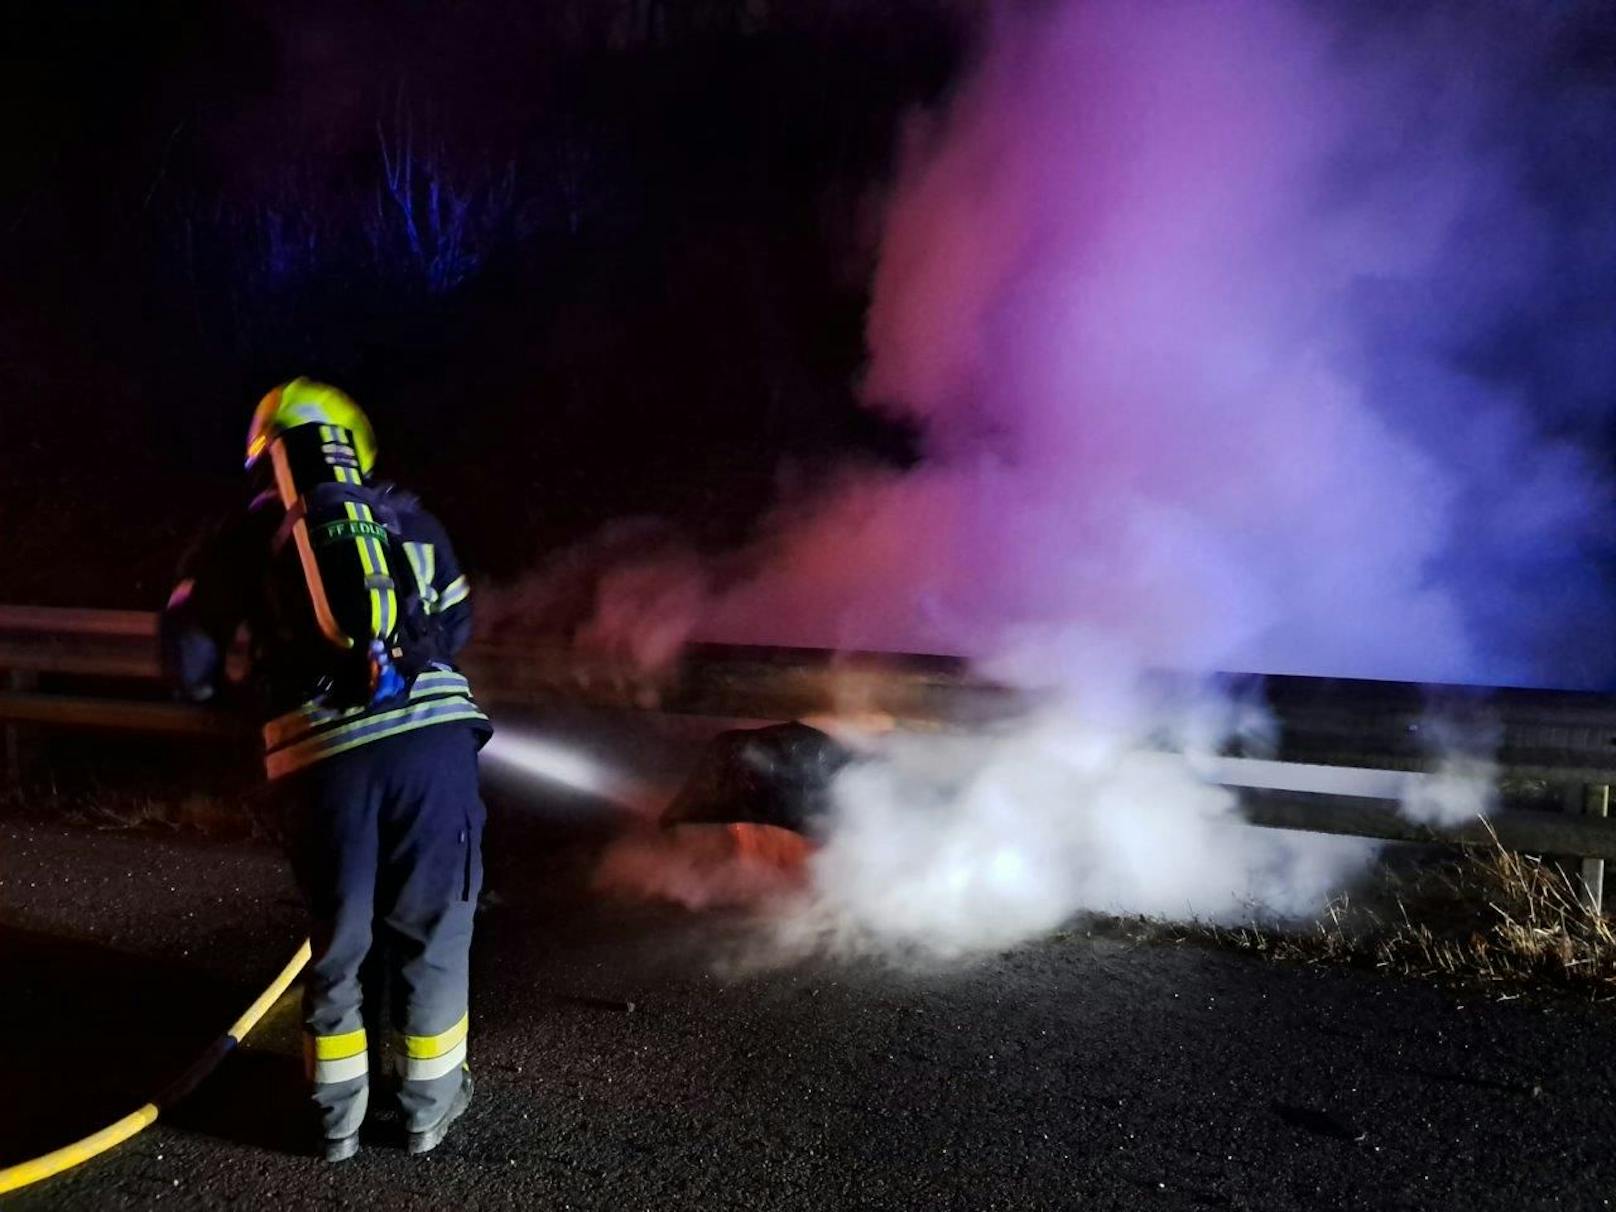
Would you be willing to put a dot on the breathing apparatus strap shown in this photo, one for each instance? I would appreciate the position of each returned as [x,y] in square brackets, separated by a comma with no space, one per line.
[297,522]
[295,513]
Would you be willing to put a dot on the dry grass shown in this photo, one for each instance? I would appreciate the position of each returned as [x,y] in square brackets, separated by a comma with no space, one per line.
[1490,915]
[195,814]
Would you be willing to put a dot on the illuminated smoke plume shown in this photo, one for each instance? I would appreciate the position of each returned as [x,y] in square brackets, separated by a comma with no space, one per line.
[1241,336]
[1219,322]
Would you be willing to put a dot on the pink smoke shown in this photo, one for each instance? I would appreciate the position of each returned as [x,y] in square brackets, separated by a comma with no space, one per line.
[1119,287]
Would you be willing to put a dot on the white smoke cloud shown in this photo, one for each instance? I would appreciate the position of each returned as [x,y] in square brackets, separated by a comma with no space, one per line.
[1460,739]
[948,846]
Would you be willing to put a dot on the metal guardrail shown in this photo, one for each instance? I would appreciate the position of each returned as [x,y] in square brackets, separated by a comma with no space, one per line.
[1551,735]
[1566,739]
[59,620]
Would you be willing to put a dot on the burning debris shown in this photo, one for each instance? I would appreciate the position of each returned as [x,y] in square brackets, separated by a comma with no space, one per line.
[778,775]
[706,866]
[744,824]
[741,828]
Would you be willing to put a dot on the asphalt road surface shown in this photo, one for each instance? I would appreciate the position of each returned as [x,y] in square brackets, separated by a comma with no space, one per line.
[1076,1073]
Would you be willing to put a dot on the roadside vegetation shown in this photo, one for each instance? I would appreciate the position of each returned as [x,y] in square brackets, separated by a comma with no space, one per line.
[1487,915]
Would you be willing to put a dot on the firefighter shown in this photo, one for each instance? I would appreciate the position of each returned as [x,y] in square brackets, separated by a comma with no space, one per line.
[371,742]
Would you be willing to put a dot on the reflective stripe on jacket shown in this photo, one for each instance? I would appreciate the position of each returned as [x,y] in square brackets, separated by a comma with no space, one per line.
[312,732]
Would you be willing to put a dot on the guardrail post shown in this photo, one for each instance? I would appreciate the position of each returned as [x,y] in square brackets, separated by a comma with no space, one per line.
[1595,802]
[17,679]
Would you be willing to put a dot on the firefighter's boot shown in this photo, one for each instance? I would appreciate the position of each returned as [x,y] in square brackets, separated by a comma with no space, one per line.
[430,1138]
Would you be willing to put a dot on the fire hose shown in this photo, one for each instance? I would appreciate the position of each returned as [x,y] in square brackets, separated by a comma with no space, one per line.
[32,1171]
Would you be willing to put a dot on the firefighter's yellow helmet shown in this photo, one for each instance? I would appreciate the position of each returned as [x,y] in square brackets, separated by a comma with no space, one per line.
[302,401]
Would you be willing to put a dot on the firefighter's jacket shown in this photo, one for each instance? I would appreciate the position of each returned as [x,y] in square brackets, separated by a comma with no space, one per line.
[233,578]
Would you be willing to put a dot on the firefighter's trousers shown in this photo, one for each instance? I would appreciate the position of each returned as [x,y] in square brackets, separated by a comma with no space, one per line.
[386,841]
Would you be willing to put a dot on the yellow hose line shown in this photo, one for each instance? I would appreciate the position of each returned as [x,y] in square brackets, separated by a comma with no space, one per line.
[68,1156]
[270,996]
